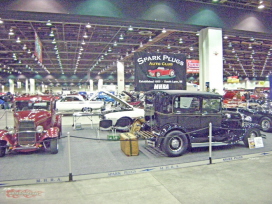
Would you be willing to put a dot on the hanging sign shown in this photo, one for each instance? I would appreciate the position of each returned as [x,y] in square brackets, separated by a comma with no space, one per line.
[158,71]
[38,48]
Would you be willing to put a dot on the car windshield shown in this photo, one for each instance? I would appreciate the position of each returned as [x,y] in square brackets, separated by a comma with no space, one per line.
[26,105]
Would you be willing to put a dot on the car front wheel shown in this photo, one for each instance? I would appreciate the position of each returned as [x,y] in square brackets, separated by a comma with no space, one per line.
[175,143]
[266,124]
[251,133]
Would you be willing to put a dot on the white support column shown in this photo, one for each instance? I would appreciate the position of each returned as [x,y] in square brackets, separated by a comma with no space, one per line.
[91,85]
[120,77]
[211,59]
[26,86]
[11,86]
[100,84]
[32,86]
[3,88]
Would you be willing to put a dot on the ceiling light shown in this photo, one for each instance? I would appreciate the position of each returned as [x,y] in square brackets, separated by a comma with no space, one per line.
[1,21]
[132,50]
[233,50]
[18,40]
[150,39]
[163,30]
[81,48]
[85,35]
[54,41]
[24,47]
[261,5]
[121,37]
[48,23]
[51,34]
[141,44]
[191,48]
[197,33]
[83,42]
[249,46]
[130,28]
[180,41]
[251,39]
[230,44]
[115,43]
[168,46]
[29,52]
[11,32]
[88,25]
[226,37]
[109,50]
[55,48]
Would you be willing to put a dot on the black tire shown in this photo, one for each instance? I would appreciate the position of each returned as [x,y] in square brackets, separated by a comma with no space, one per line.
[54,146]
[251,133]
[175,143]
[2,151]
[158,74]
[172,73]
[265,123]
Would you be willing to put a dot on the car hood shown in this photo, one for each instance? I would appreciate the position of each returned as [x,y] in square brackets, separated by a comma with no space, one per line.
[37,115]
[117,99]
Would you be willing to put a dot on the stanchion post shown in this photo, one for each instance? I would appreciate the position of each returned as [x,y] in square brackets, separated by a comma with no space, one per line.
[6,116]
[69,158]
[210,143]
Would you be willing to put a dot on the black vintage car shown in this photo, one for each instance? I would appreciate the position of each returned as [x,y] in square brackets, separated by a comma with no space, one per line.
[261,115]
[176,120]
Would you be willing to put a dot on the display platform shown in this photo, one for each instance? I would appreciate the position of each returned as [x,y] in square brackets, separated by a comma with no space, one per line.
[91,155]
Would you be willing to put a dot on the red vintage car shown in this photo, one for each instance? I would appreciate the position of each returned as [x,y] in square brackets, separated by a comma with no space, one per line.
[36,126]
[161,71]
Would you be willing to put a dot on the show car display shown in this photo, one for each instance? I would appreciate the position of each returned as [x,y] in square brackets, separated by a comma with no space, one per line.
[120,109]
[261,114]
[177,120]
[75,103]
[36,126]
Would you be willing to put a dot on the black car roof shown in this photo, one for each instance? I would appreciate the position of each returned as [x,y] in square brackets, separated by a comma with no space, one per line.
[186,93]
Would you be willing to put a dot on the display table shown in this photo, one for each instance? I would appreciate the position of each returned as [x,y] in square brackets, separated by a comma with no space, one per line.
[89,115]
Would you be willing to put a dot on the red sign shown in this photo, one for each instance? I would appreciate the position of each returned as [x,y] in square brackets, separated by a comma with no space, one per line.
[192,66]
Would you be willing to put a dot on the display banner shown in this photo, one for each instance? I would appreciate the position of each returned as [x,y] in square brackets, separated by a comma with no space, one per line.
[192,66]
[158,71]
[233,79]
[38,48]
[270,85]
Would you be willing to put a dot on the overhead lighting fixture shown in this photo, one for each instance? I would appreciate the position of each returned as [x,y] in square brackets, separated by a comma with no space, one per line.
[163,30]
[249,46]
[88,25]
[24,47]
[121,37]
[261,5]
[85,35]
[226,37]
[83,42]
[115,43]
[191,48]
[230,44]
[168,46]
[11,32]
[48,23]
[251,39]
[130,28]
[18,40]
[150,39]
[197,33]
[109,50]
[81,48]
[1,21]
[29,52]
[51,34]
[54,41]
[180,41]
[141,44]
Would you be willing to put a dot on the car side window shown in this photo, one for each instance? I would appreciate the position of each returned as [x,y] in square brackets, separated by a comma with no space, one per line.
[186,104]
[211,105]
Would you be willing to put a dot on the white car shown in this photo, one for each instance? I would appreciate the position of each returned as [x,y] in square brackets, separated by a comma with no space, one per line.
[76,103]
[121,109]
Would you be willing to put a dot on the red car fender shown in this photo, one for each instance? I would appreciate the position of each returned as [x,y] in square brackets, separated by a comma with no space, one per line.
[58,122]
[3,138]
[52,132]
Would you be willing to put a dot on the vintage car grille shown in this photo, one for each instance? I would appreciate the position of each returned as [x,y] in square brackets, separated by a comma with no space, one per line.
[27,133]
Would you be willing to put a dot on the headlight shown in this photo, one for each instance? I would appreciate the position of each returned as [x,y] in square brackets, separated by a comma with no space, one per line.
[248,119]
[39,129]
[11,130]
[228,115]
